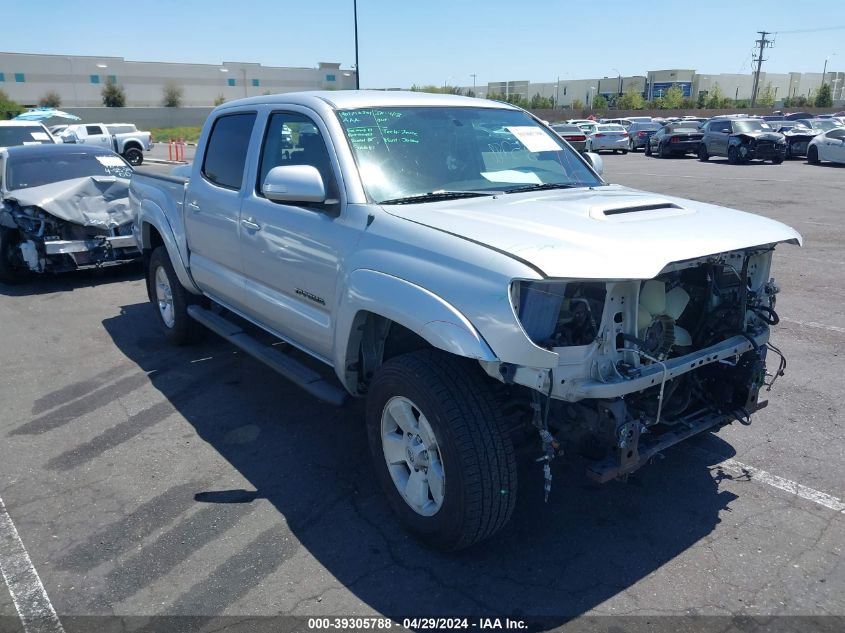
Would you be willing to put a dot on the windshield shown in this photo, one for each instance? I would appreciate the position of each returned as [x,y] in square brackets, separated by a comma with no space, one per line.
[411,151]
[823,124]
[752,126]
[23,172]
[11,135]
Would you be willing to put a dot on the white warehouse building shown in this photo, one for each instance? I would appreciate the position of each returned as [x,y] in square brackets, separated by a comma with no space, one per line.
[79,80]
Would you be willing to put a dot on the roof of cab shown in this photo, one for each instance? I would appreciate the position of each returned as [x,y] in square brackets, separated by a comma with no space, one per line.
[349,99]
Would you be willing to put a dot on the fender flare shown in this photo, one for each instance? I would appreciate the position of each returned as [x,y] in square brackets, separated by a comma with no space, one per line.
[152,216]
[412,306]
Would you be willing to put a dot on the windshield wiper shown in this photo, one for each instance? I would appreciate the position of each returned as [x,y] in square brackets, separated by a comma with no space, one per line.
[543,186]
[434,196]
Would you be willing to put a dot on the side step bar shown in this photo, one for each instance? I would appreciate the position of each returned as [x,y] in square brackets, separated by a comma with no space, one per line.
[293,370]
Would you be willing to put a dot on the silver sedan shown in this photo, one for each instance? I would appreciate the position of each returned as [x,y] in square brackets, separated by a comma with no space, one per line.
[608,137]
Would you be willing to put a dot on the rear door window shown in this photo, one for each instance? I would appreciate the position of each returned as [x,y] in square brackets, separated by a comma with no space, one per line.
[225,153]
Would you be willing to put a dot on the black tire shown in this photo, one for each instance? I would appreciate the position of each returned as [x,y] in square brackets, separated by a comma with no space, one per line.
[631,146]
[476,452]
[648,148]
[183,330]
[813,155]
[663,152]
[624,151]
[733,155]
[777,160]
[133,156]
[703,156]
[11,271]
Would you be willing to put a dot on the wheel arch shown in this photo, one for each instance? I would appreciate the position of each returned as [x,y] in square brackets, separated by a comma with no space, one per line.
[155,231]
[382,316]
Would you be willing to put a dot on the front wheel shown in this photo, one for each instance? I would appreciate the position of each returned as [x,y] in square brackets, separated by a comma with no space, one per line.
[171,300]
[663,151]
[777,160]
[733,155]
[648,148]
[813,155]
[134,156]
[441,451]
[703,156]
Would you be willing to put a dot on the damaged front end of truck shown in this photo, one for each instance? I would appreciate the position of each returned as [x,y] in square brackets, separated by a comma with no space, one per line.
[645,364]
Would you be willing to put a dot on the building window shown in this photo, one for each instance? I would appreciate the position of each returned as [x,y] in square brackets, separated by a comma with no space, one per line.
[255,83]
[112,79]
[330,77]
[19,77]
[231,82]
[95,79]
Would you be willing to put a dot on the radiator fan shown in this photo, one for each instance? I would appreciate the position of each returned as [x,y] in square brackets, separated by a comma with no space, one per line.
[657,318]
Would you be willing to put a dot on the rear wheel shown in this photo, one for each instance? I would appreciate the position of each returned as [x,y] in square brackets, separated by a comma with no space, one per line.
[440,449]
[631,146]
[703,156]
[12,270]
[624,151]
[648,148]
[134,156]
[813,155]
[664,152]
[777,160]
[171,300]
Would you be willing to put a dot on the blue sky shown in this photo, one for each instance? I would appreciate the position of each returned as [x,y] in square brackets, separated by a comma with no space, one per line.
[440,41]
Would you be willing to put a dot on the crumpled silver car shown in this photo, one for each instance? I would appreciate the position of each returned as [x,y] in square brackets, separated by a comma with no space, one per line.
[63,208]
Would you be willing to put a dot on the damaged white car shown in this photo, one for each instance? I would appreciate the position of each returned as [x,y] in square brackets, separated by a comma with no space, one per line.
[466,271]
[63,208]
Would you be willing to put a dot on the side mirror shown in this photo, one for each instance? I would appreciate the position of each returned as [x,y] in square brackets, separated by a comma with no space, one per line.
[294,183]
[596,161]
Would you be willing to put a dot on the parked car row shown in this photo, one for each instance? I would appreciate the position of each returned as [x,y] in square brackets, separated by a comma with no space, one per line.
[739,138]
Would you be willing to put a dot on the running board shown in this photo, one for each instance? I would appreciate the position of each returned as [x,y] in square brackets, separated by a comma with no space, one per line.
[293,370]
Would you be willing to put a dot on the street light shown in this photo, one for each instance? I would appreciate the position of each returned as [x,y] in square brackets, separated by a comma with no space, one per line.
[357,67]
[473,83]
[619,75]
[590,97]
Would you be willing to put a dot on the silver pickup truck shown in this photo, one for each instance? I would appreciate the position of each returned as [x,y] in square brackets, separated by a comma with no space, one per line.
[458,264]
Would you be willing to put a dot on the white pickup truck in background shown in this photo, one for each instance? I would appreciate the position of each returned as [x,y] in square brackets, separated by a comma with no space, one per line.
[123,138]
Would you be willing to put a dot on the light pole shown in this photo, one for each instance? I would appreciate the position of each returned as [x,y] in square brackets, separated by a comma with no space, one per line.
[473,84]
[824,72]
[590,97]
[619,75]
[557,91]
[357,67]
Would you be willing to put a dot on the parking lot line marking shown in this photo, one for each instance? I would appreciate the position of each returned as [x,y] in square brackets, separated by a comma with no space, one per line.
[28,595]
[813,324]
[758,474]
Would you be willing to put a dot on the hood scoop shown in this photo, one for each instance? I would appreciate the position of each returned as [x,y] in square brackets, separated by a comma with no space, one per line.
[646,210]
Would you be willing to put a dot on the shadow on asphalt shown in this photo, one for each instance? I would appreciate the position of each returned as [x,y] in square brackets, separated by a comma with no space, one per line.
[70,281]
[311,461]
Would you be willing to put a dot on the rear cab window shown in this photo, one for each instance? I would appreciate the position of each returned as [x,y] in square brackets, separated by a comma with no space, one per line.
[226,150]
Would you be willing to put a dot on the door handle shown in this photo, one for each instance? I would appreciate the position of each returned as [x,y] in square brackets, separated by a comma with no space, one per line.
[194,207]
[250,224]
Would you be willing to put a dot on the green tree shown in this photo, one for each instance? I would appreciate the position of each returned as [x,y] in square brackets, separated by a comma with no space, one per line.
[576,104]
[766,98]
[8,109]
[824,99]
[219,100]
[599,103]
[541,103]
[171,96]
[51,100]
[656,104]
[715,98]
[631,100]
[673,97]
[113,95]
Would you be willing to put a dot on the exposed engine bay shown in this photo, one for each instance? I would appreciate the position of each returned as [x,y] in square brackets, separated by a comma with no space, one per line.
[68,225]
[646,364]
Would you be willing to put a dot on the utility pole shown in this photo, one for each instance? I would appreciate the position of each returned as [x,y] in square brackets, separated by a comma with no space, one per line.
[763,44]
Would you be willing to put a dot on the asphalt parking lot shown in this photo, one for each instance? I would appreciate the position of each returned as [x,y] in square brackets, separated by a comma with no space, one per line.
[144,479]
